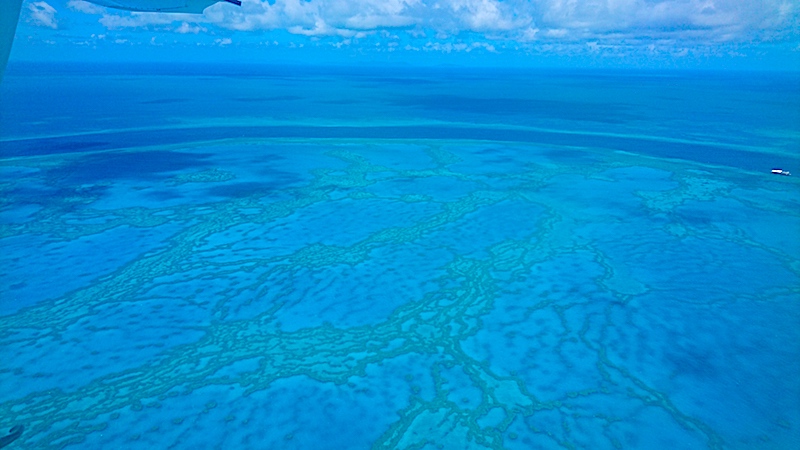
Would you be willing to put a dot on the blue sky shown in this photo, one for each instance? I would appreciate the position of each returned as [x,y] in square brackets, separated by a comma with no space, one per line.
[716,34]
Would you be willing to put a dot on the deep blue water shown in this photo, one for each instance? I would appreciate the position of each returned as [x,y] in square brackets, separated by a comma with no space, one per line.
[323,257]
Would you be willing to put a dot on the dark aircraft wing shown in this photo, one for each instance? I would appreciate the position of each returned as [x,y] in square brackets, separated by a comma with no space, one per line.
[176,6]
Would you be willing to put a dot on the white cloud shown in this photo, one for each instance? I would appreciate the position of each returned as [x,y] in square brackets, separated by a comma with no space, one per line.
[438,47]
[527,34]
[457,47]
[488,47]
[85,7]
[489,15]
[142,20]
[556,33]
[185,28]
[43,14]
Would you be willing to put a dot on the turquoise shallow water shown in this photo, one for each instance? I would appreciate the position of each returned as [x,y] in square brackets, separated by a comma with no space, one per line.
[341,258]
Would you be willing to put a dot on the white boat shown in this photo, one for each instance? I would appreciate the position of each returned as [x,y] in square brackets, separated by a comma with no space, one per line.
[781,172]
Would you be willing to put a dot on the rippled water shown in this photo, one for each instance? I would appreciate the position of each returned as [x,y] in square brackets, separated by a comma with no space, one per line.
[351,258]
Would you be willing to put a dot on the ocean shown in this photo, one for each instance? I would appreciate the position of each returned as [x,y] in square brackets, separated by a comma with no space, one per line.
[397,257]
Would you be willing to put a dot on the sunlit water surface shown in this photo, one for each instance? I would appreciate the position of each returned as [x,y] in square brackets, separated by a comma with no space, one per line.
[339,258]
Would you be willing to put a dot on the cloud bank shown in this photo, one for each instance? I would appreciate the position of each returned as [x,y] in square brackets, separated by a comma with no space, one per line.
[691,20]
[648,24]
